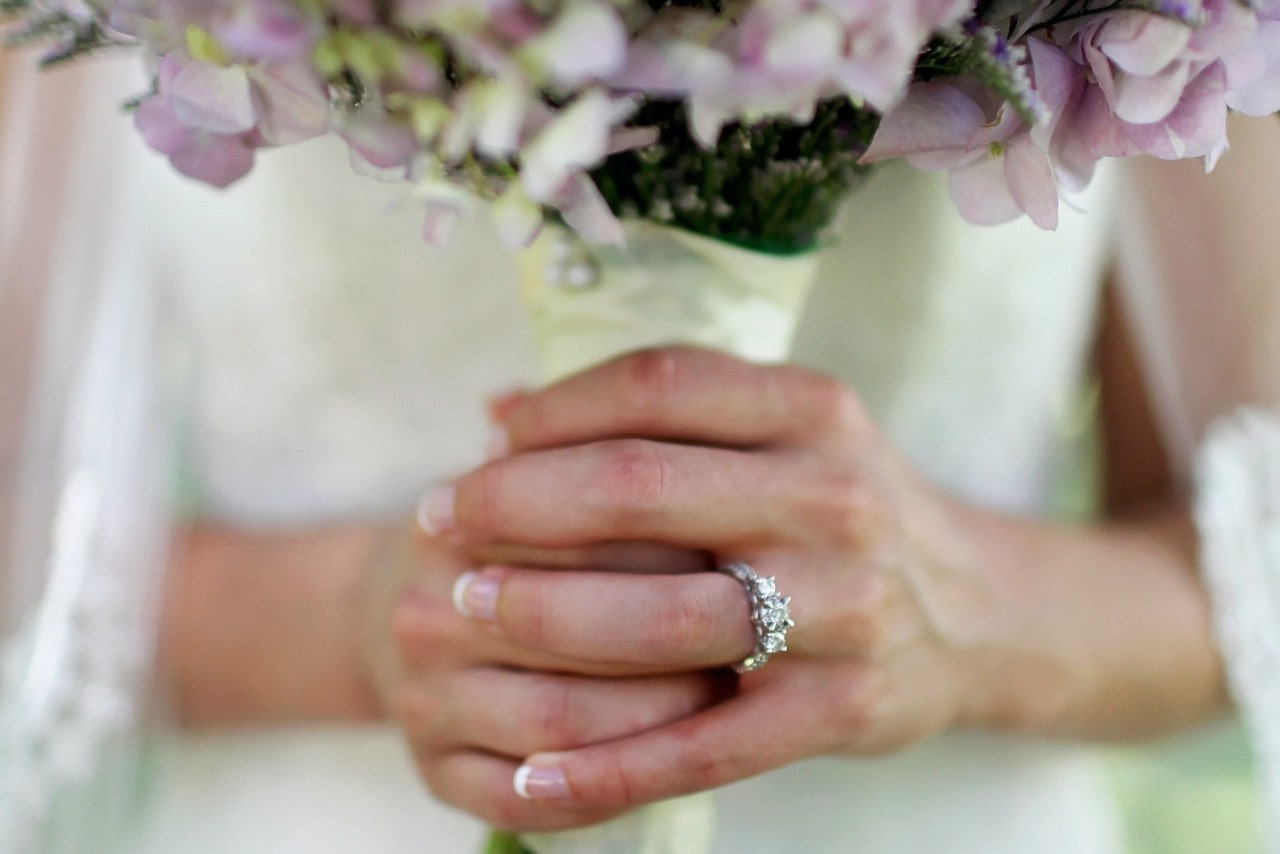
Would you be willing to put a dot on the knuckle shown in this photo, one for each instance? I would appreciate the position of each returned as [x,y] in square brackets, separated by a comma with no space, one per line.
[682,626]
[533,422]
[848,511]
[854,706]
[614,787]
[526,616]
[433,774]
[863,625]
[417,706]
[637,475]
[422,632]
[479,499]
[421,715]
[501,809]
[834,405]
[649,377]
[555,724]
[704,767]
[506,812]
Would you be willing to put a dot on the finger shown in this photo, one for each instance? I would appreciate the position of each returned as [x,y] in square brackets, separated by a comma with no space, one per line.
[677,393]
[663,623]
[516,713]
[757,731]
[633,489]
[641,558]
[481,784]
[431,636]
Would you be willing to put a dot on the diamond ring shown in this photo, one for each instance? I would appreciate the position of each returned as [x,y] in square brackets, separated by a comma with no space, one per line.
[770,615]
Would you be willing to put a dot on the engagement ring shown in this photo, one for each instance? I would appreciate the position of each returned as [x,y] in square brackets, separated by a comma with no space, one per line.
[770,615]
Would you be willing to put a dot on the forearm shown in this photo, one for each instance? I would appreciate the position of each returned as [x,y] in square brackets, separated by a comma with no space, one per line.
[1108,634]
[1113,638]
[263,628]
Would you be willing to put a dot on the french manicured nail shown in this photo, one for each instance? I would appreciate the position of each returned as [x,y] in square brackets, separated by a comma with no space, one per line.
[435,510]
[499,444]
[537,782]
[476,596]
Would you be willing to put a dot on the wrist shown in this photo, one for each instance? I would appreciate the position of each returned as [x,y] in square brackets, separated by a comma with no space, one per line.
[1100,632]
[264,628]
[1019,670]
[390,564]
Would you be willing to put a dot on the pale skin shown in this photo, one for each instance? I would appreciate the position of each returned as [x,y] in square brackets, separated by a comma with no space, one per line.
[878,661]
[916,613]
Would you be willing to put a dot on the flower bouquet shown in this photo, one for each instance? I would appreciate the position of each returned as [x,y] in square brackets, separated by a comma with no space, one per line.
[710,122]
[670,165]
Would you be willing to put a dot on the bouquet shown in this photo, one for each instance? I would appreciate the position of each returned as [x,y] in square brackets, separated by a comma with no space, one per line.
[743,120]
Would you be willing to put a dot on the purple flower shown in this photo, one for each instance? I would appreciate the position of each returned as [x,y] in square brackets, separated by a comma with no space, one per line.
[209,118]
[1000,168]
[1158,85]
[1253,68]
[783,56]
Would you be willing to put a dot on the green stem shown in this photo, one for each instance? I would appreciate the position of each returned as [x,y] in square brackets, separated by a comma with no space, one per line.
[501,842]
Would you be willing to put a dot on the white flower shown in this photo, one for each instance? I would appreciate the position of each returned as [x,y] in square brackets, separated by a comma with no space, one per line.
[500,107]
[587,42]
[574,140]
[517,217]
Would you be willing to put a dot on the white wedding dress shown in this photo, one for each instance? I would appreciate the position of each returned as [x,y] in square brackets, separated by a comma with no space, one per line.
[338,365]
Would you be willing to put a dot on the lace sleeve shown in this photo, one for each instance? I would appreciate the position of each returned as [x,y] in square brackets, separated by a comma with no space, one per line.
[1238,514]
[1200,276]
[83,480]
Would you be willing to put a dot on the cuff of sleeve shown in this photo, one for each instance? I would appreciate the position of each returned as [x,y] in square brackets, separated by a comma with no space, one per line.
[1237,511]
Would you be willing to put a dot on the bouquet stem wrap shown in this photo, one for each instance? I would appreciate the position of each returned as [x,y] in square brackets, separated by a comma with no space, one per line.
[665,286]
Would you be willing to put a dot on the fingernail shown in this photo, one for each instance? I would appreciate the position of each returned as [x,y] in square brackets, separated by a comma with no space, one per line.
[435,510]
[541,782]
[476,596]
[499,444]
[501,405]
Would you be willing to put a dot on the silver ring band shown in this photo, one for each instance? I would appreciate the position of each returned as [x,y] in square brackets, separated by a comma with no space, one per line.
[770,615]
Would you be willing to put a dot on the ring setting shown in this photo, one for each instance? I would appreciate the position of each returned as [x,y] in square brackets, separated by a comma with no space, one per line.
[770,615]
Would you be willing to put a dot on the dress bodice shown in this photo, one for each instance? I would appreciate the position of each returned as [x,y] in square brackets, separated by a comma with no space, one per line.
[340,365]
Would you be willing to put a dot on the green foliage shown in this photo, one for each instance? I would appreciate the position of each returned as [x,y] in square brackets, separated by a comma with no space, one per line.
[987,58]
[774,186]
[998,10]
[715,6]
[71,37]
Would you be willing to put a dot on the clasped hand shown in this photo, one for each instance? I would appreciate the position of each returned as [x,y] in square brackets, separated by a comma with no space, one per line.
[570,638]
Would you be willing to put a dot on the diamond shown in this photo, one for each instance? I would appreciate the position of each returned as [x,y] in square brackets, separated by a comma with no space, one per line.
[774,619]
[775,603]
[772,643]
[766,586]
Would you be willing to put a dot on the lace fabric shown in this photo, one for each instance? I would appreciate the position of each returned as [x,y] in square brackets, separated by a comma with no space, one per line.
[1238,515]
[84,494]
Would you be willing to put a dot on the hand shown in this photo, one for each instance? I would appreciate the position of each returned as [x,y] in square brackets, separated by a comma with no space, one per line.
[472,704]
[775,466]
